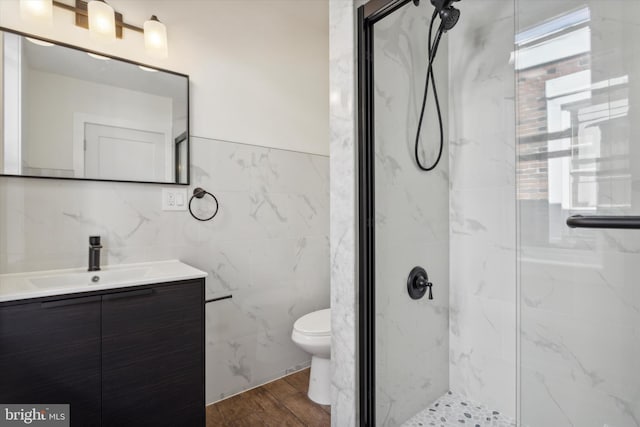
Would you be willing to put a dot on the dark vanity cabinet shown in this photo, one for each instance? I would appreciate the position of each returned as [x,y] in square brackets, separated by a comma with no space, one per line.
[50,353]
[123,357]
[153,358]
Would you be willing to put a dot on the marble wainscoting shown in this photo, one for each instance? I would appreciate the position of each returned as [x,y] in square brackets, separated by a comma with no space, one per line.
[412,221]
[342,123]
[268,246]
[482,205]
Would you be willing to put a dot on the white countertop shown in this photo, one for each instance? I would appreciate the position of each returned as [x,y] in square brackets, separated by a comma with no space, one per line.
[37,284]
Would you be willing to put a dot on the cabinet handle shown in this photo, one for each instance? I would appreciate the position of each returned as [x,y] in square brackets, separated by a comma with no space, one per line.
[68,301]
[130,294]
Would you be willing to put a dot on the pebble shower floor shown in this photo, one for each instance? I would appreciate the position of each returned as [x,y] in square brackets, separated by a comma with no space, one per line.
[455,410]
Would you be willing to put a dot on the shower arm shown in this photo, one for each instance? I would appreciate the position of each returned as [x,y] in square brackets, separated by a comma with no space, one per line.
[598,221]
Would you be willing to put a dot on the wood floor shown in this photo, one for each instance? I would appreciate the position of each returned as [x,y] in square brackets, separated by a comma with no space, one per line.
[280,403]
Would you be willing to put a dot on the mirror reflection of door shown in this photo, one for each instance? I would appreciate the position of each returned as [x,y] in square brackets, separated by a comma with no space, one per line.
[113,152]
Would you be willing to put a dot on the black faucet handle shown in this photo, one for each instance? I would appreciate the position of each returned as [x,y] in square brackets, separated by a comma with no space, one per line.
[94,240]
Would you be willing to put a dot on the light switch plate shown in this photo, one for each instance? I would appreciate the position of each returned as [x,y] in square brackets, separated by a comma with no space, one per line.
[174,199]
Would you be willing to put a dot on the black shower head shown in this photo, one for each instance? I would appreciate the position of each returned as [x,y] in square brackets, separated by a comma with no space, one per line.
[449,17]
[442,4]
[448,14]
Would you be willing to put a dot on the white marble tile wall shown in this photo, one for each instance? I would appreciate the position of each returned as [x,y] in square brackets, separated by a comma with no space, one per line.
[482,205]
[412,221]
[580,311]
[344,282]
[268,246]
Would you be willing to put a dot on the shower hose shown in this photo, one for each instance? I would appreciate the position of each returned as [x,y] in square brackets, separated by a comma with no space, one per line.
[433,49]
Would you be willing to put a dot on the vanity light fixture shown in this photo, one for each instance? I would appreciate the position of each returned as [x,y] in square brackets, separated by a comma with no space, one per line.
[102,21]
[40,11]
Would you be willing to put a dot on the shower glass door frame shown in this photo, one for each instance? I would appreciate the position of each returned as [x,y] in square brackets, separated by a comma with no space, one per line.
[368,15]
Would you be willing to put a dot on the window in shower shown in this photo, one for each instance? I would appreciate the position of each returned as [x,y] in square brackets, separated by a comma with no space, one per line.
[568,162]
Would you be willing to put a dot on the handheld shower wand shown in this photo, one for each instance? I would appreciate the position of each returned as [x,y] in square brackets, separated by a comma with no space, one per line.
[449,16]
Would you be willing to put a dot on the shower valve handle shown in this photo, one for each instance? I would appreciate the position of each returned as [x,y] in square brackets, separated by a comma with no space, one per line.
[423,283]
[418,283]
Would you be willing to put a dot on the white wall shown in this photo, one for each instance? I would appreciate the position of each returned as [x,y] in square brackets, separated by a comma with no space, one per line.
[259,69]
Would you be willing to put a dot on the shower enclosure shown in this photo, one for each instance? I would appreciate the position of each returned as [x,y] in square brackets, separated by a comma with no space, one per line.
[533,322]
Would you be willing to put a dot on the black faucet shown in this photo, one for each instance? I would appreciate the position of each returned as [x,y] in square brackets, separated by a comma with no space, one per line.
[94,253]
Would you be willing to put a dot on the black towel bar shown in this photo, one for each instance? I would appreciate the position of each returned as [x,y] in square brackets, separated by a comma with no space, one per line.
[218,299]
[620,222]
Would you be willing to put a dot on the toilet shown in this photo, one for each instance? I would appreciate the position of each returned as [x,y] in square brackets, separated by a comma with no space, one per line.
[312,333]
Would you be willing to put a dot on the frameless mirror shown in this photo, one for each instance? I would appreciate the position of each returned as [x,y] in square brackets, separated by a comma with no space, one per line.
[69,113]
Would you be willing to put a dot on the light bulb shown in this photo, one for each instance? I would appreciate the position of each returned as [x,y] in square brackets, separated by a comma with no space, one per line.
[102,20]
[155,38]
[40,11]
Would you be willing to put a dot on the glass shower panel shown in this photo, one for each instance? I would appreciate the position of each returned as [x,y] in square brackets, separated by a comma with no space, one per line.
[578,139]
[412,225]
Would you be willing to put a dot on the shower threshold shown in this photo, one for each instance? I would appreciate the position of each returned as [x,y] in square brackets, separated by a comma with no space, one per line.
[452,409]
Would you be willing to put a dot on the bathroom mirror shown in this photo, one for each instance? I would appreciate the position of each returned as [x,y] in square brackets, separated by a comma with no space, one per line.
[73,114]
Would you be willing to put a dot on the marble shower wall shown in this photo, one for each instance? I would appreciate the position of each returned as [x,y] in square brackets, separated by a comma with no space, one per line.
[482,205]
[344,282]
[268,246]
[580,309]
[412,220]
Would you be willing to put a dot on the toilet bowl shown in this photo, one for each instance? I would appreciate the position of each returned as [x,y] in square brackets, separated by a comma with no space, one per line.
[312,333]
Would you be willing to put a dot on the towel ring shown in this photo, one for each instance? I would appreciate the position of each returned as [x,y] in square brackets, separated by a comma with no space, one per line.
[199,193]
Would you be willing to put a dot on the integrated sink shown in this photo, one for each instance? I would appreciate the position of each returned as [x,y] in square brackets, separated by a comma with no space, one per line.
[90,278]
[59,282]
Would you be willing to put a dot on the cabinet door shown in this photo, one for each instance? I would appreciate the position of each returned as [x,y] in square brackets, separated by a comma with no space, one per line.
[50,353]
[152,357]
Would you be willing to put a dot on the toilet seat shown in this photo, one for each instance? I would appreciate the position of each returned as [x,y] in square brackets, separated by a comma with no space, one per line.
[316,324]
